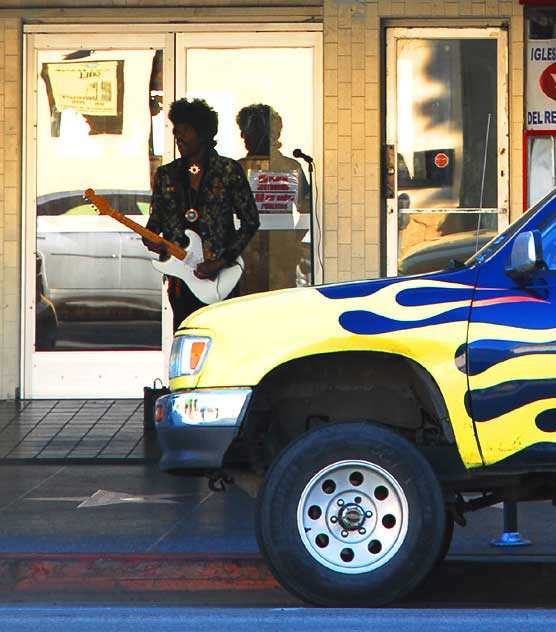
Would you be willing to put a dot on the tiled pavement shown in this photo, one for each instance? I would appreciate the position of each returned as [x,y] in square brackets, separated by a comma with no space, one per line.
[75,430]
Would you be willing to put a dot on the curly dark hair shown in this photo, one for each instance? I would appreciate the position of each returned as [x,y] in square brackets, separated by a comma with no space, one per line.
[197,113]
[260,125]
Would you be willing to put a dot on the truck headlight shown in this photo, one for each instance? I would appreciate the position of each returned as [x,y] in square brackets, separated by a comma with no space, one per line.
[188,355]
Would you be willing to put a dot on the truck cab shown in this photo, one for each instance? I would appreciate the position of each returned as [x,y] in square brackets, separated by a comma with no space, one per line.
[378,411]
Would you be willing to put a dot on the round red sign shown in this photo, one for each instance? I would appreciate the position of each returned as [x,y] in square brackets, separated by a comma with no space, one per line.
[547,81]
[441,160]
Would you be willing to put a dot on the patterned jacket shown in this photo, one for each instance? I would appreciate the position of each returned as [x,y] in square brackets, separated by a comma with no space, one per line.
[224,192]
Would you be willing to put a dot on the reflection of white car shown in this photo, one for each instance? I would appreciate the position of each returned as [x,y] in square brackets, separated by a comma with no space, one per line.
[437,253]
[103,289]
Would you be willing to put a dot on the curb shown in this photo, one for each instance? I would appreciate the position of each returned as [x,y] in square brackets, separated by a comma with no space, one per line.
[128,573]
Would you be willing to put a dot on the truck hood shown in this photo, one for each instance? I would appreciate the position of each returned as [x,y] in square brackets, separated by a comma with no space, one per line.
[292,307]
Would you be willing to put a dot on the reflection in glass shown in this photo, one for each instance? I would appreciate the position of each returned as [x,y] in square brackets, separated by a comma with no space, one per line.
[279,258]
[260,125]
[541,167]
[98,126]
[447,150]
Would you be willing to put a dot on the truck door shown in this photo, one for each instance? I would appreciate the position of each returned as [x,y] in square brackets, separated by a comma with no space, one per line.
[511,355]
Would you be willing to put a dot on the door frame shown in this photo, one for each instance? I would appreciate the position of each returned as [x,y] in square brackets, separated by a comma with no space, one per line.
[393,34]
[123,379]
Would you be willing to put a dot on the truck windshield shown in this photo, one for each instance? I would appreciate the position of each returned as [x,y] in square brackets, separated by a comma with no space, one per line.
[497,242]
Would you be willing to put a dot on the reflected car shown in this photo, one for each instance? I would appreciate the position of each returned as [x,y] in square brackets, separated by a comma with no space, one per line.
[436,254]
[98,287]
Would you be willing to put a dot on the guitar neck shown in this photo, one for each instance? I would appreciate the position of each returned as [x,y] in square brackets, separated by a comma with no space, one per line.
[173,249]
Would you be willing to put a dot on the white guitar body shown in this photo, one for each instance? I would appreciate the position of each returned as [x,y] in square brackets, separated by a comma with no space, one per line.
[205,290]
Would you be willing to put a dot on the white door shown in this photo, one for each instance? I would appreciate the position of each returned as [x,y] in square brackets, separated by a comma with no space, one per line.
[446,158]
[93,319]
[96,318]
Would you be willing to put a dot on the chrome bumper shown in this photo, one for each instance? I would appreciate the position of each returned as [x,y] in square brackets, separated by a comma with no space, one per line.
[195,428]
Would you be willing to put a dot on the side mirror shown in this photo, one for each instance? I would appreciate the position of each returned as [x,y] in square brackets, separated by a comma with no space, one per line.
[526,256]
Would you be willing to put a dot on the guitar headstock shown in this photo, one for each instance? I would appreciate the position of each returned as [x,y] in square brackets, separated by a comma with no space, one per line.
[101,204]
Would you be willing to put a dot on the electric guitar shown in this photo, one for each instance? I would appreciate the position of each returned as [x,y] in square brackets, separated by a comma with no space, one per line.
[181,263]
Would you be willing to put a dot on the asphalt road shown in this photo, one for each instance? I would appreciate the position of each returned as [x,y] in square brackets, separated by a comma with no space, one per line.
[170,619]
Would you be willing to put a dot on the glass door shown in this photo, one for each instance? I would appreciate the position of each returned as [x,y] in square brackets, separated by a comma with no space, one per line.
[94,310]
[267,90]
[446,158]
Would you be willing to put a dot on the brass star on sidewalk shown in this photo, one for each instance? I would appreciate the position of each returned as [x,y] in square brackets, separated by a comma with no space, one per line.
[102,497]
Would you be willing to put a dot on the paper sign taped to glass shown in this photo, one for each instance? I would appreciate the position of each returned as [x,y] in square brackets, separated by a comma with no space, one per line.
[274,191]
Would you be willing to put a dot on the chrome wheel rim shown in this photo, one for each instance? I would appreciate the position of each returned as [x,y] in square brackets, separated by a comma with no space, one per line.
[352,516]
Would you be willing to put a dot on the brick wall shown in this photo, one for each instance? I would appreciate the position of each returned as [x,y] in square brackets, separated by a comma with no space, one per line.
[10,208]
[352,96]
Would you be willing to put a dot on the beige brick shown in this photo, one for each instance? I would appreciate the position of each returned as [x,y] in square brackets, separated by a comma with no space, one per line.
[331,217]
[330,109]
[344,203]
[330,52]
[358,243]
[358,109]
[358,56]
[331,187]
[344,16]
[330,243]
[12,95]
[344,233]
[358,268]
[358,217]
[344,96]
[330,83]
[330,270]
[11,171]
[344,256]
[344,147]
[358,136]
[358,32]
[331,135]
[344,122]
[358,83]
[344,67]
[358,189]
[344,42]
[344,275]
[12,41]
[344,176]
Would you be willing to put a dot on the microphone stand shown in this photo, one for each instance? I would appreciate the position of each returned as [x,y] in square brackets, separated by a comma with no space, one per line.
[297,153]
[311,222]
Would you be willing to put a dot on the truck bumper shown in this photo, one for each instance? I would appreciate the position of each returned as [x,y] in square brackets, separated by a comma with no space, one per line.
[195,428]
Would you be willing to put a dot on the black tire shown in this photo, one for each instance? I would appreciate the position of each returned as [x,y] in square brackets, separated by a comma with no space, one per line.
[447,539]
[393,513]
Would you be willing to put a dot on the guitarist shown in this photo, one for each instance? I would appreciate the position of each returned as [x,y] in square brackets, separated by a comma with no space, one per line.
[200,191]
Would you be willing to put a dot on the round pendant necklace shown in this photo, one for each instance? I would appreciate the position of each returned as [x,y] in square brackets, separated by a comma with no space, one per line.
[192,215]
[194,169]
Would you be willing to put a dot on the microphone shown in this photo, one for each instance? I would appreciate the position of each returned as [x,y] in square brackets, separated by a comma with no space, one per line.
[297,153]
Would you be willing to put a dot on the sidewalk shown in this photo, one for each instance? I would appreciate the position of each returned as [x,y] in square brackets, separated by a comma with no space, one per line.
[83,506]
[131,528]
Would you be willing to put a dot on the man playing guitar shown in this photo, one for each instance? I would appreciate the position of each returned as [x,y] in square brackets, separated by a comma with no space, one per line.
[201,192]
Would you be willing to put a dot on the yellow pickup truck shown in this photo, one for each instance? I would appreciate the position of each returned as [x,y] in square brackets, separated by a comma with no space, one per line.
[379,411]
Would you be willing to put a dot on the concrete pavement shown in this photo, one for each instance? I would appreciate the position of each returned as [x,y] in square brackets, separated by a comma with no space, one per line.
[131,527]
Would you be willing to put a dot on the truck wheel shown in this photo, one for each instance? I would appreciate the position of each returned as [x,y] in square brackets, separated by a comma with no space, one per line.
[350,514]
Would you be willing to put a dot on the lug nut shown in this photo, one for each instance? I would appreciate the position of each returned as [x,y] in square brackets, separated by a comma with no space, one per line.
[334,519]
[362,531]
[345,534]
[368,514]
[340,503]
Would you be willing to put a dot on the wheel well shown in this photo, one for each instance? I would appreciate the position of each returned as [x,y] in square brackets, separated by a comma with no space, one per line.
[353,385]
